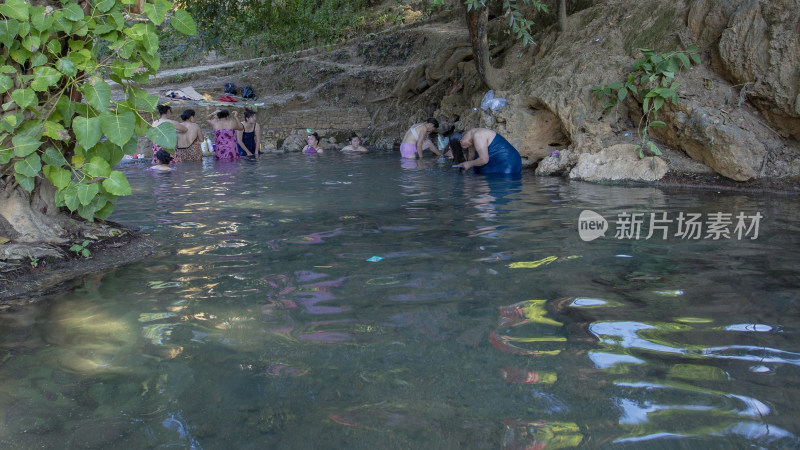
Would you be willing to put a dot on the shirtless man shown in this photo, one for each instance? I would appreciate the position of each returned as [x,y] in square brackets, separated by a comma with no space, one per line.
[495,153]
[355,145]
[189,141]
[415,140]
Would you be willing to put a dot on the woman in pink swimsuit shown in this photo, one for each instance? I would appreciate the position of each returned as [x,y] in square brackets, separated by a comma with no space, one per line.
[225,133]
[414,141]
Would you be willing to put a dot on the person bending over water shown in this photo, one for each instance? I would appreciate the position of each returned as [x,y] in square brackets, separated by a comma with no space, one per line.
[224,133]
[313,146]
[163,158]
[355,145]
[249,142]
[494,153]
[189,142]
[415,140]
[164,111]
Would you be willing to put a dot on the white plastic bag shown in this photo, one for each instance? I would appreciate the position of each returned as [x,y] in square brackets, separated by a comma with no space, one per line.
[490,102]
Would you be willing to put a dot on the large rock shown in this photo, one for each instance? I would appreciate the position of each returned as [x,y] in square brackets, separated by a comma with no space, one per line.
[293,143]
[727,148]
[758,44]
[618,163]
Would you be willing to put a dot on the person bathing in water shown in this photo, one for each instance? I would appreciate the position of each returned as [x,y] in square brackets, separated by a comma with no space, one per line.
[163,158]
[355,145]
[313,146]
[225,129]
[189,142]
[164,111]
[248,139]
[494,153]
[415,141]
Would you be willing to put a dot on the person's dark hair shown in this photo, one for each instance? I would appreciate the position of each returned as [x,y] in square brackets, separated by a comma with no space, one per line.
[163,156]
[316,136]
[163,109]
[354,135]
[187,114]
[433,122]
[223,114]
[455,146]
[248,114]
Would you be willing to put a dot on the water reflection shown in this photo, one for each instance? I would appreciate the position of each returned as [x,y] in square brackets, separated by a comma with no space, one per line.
[330,302]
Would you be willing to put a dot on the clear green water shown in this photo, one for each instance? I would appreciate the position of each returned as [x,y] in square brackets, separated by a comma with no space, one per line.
[260,322]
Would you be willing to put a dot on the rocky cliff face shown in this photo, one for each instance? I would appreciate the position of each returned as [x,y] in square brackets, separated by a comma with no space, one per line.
[739,111]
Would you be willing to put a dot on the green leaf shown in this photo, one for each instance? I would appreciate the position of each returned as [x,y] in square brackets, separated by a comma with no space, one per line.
[27,183]
[87,130]
[44,78]
[87,192]
[38,59]
[183,22]
[646,104]
[66,66]
[684,59]
[658,124]
[70,195]
[54,157]
[157,11]
[658,102]
[621,94]
[8,31]
[24,145]
[60,177]
[40,20]
[163,135]
[142,99]
[98,93]
[652,147]
[153,62]
[118,127]
[104,212]
[15,9]
[117,184]
[5,155]
[52,129]
[25,98]
[695,58]
[97,167]
[6,83]
[66,108]
[31,43]
[73,12]
[692,48]
[104,5]
[30,166]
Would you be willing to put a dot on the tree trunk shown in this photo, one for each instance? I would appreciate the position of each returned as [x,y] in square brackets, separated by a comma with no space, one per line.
[561,5]
[478,25]
[33,216]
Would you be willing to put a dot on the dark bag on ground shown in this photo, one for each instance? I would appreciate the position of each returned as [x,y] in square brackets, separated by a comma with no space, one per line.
[230,88]
[248,92]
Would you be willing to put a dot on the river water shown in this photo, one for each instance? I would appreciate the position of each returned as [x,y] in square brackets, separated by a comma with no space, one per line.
[353,302]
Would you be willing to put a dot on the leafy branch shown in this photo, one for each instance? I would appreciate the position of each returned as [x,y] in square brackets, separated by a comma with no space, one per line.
[653,79]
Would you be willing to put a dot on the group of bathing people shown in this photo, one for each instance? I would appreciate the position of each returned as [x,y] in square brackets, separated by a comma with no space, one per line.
[484,149]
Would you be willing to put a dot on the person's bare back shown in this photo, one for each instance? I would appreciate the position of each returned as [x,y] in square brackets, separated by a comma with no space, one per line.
[193,133]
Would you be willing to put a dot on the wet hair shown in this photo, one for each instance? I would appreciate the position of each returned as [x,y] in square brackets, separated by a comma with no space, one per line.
[316,136]
[163,109]
[353,136]
[455,146]
[433,122]
[187,114]
[223,113]
[163,156]
[248,114]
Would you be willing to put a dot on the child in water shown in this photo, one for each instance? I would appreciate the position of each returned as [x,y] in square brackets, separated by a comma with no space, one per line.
[313,146]
[164,159]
